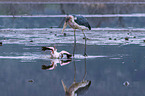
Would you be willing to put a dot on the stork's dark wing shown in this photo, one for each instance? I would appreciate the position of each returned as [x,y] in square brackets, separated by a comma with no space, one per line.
[82,21]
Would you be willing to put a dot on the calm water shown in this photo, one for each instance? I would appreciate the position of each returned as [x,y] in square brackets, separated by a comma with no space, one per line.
[111,62]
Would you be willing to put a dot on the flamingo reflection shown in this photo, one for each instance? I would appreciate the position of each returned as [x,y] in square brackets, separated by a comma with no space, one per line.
[54,63]
[77,87]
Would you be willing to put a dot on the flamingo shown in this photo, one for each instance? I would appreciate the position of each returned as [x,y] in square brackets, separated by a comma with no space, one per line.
[57,55]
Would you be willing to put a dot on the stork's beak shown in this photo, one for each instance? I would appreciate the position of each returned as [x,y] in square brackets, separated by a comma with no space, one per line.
[65,24]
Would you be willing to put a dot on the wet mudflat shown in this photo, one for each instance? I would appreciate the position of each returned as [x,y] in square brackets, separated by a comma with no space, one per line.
[114,65]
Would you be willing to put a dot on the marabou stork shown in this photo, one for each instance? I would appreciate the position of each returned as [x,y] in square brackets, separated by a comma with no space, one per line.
[77,22]
[55,54]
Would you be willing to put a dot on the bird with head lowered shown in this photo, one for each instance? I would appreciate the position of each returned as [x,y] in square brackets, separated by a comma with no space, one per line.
[55,54]
[77,22]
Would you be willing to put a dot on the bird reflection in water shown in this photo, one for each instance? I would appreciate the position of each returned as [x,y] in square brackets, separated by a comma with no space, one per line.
[77,88]
[54,63]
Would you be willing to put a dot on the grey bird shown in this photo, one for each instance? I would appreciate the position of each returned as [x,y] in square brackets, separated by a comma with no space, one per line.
[77,22]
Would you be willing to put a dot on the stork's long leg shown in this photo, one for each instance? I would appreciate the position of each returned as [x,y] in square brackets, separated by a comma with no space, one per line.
[85,54]
[74,43]
[75,72]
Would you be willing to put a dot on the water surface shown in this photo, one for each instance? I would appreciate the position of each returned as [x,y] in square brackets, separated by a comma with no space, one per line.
[111,62]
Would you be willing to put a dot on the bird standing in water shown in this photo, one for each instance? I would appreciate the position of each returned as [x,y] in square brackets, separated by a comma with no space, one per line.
[77,22]
[55,54]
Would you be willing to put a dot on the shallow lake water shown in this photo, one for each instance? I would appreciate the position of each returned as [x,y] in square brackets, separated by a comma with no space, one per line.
[114,65]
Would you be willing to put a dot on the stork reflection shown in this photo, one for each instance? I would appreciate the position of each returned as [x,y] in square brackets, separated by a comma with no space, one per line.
[54,63]
[77,87]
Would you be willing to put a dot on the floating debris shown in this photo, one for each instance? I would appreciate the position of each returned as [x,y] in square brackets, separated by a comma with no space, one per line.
[0,43]
[31,41]
[143,40]
[121,38]
[135,70]
[64,34]
[126,38]
[134,37]
[30,80]
[51,27]
[110,38]
[86,38]
[126,83]
[115,39]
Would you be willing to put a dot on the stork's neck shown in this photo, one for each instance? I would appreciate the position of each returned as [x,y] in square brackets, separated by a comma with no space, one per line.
[72,20]
[71,23]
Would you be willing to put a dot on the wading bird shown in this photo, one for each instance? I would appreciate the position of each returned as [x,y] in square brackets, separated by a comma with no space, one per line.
[77,22]
[55,54]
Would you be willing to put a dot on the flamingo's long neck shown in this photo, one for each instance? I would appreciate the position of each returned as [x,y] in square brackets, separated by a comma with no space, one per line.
[56,54]
[52,51]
